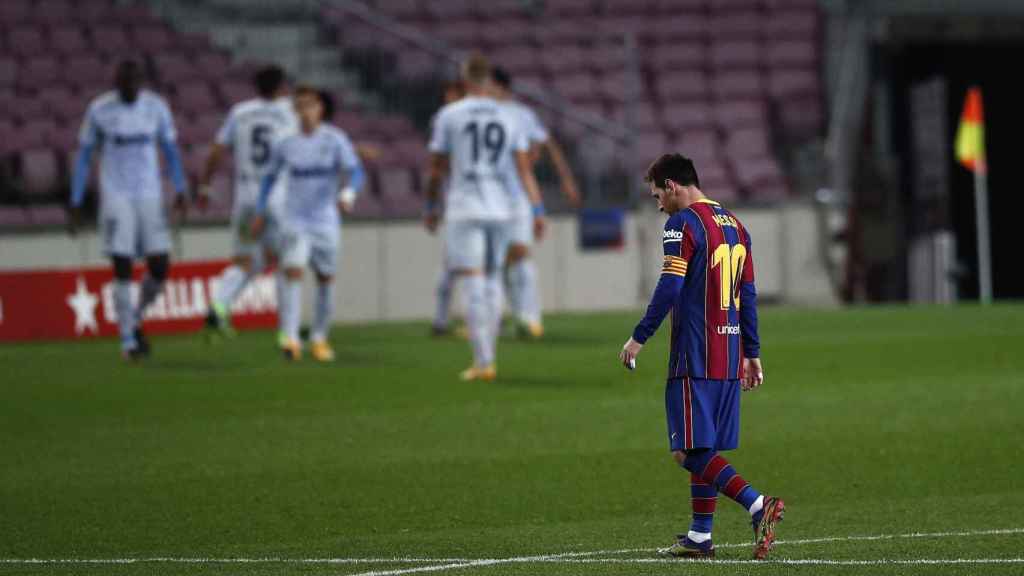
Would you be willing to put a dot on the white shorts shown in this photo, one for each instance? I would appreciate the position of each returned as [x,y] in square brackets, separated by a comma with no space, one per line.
[242,243]
[134,226]
[315,246]
[476,244]
[521,229]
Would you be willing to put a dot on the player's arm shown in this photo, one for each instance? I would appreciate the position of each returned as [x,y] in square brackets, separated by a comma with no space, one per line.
[167,138]
[437,171]
[440,147]
[88,138]
[670,284]
[215,158]
[259,219]
[565,176]
[356,176]
[524,167]
[753,374]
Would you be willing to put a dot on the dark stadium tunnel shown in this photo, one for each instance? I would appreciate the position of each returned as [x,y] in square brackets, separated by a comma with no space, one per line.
[991,66]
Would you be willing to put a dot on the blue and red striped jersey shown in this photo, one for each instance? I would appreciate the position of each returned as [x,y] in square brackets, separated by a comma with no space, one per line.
[708,286]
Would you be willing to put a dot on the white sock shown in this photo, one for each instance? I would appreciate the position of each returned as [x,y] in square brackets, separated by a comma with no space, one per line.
[757,505]
[291,308]
[444,299]
[698,537]
[232,282]
[495,289]
[125,313]
[324,311]
[478,319]
[529,292]
[149,291]
[513,289]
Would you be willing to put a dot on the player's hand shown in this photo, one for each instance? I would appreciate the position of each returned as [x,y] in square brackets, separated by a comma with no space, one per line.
[256,226]
[181,205]
[203,197]
[753,375]
[572,195]
[430,221]
[539,226]
[74,220]
[346,207]
[630,350]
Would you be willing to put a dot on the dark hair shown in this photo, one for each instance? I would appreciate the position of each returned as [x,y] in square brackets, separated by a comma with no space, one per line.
[501,77]
[268,80]
[674,167]
[328,101]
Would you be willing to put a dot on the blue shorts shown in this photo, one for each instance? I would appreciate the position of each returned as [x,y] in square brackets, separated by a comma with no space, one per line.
[703,413]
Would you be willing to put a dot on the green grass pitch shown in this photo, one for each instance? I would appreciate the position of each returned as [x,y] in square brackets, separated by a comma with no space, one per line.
[871,422]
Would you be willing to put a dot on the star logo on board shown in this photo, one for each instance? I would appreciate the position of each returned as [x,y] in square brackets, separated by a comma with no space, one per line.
[83,304]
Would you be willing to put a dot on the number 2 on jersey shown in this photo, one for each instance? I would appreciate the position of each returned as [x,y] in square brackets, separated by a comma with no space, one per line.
[493,139]
[730,260]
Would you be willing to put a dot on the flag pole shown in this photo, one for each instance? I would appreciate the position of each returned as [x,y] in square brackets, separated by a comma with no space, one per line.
[982,225]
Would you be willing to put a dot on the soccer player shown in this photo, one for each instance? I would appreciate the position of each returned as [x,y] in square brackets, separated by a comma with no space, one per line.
[481,145]
[707,283]
[128,124]
[520,272]
[315,159]
[453,92]
[251,131]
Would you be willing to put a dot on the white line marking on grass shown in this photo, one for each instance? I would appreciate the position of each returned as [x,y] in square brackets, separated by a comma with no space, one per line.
[442,564]
[795,561]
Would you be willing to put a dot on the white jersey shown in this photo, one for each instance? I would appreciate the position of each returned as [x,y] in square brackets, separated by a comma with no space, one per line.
[536,133]
[480,136]
[315,164]
[252,130]
[128,135]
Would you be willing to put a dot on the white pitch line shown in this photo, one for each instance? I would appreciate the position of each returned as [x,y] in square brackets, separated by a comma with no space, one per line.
[795,561]
[441,564]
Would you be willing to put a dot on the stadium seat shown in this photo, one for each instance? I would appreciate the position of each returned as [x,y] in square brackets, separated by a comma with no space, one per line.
[212,64]
[460,33]
[800,54]
[14,12]
[68,40]
[62,103]
[175,69]
[738,84]
[402,9]
[8,72]
[735,54]
[27,109]
[35,132]
[39,72]
[40,172]
[645,117]
[691,26]
[737,26]
[564,59]
[87,70]
[48,215]
[669,58]
[792,25]
[606,57]
[410,151]
[759,172]
[447,10]
[703,146]
[616,87]
[111,41]
[733,114]
[13,217]
[504,10]
[397,194]
[577,87]
[418,65]
[367,205]
[684,85]
[570,8]
[672,7]
[748,143]
[52,11]
[26,41]
[629,7]
[646,147]
[518,59]
[683,116]
[506,33]
[194,98]
[93,12]
[134,16]
[152,39]
[792,82]
[802,117]
[562,32]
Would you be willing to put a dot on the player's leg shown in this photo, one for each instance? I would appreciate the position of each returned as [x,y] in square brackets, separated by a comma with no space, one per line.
[154,240]
[294,257]
[323,259]
[246,263]
[157,267]
[465,245]
[713,417]
[521,274]
[119,226]
[443,295]
[497,237]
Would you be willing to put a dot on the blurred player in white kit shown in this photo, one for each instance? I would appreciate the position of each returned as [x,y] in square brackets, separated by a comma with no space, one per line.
[315,159]
[520,270]
[480,145]
[251,131]
[127,125]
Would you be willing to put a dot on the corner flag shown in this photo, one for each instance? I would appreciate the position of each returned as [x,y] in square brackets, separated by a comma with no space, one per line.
[970,136]
[970,152]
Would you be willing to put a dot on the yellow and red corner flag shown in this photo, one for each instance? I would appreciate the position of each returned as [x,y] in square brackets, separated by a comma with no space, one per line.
[970,136]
